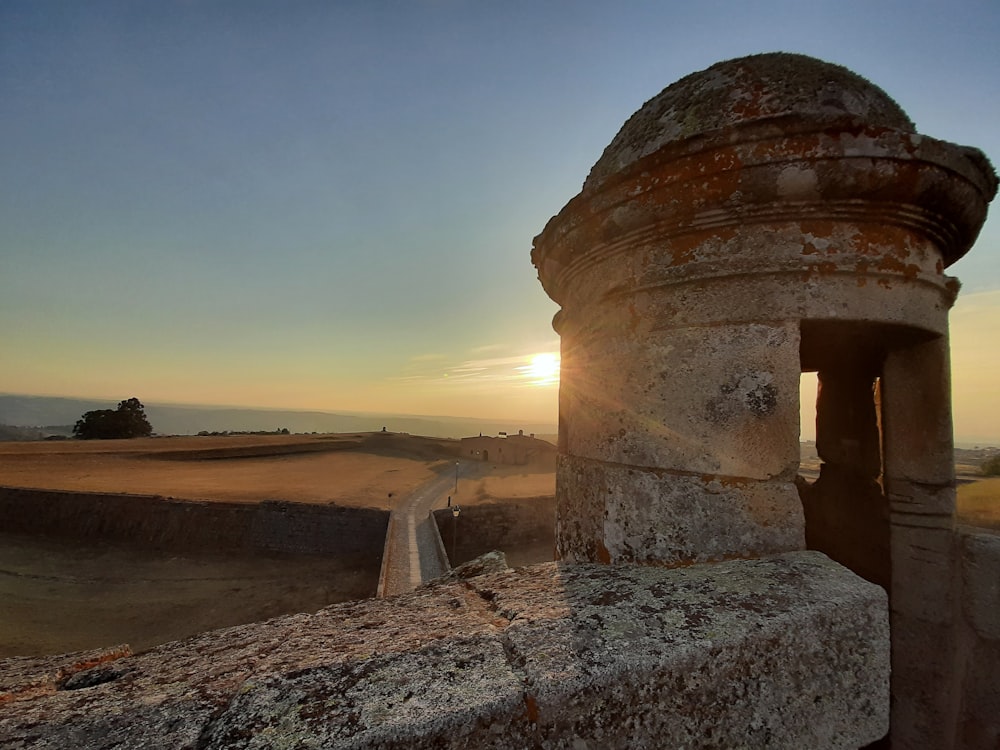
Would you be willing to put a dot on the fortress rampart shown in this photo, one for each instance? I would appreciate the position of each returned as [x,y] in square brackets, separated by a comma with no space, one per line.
[185,526]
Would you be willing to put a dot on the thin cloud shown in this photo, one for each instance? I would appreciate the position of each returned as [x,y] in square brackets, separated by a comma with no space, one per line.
[511,371]
[488,348]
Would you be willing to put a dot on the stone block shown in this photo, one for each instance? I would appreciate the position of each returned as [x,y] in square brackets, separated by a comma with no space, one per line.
[458,692]
[923,574]
[24,678]
[718,400]
[923,681]
[916,414]
[981,583]
[613,513]
[595,672]
[785,652]
[979,722]
[906,497]
[805,291]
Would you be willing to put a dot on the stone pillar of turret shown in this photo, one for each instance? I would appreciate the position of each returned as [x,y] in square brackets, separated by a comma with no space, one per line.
[766,216]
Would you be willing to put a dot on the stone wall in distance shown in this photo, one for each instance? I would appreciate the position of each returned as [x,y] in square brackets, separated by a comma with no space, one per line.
[179,526]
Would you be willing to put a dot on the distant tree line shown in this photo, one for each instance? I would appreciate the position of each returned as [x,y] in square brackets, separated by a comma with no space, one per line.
[127,421]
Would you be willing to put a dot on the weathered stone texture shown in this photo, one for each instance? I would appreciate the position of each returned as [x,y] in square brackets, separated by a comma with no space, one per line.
[760,87]
[916,395]
[981,584]
[617,513]
[979,720]
[491,562]
[923,661]
[784,652]
[979,714]
[27,677]
[925,555]
[718,400]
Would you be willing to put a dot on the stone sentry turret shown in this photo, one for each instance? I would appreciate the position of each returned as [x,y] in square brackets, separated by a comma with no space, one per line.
[767,216]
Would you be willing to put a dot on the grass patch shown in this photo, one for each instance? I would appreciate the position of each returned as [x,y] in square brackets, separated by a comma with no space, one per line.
[979,503]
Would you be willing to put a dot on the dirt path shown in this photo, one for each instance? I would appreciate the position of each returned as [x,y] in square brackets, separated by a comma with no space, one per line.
[411,550]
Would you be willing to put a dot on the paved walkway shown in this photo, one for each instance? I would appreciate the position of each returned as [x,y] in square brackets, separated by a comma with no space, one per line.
[411,549]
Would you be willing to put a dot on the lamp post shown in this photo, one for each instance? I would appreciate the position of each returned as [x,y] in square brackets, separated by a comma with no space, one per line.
[456,477]
[455,510]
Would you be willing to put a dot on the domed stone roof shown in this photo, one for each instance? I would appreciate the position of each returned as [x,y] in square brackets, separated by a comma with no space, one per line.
[753,89]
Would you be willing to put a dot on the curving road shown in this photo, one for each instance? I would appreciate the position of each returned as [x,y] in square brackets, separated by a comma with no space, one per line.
[411,552]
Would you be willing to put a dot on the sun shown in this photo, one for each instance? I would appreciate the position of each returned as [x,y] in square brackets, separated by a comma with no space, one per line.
[543,369]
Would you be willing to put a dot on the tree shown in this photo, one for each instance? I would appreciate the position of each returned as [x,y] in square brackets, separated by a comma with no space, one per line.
[127,421]
[991,466]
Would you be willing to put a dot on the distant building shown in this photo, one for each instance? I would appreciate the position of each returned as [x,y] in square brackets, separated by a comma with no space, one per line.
[517,450]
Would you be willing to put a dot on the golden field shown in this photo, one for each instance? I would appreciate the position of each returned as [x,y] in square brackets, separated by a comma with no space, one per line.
[349,470]
[979,503]
[507,483]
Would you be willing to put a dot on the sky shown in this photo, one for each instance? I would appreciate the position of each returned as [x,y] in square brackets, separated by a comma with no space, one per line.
[330,205]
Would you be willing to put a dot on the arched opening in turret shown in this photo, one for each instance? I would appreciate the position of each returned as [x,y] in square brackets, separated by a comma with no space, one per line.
[864,439]
[846,508]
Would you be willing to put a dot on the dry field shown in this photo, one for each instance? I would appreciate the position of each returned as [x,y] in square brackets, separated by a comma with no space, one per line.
[507,483]
[979,503]
[349,470]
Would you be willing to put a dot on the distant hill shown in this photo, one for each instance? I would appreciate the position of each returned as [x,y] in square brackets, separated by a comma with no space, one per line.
[51,415]
[7,433]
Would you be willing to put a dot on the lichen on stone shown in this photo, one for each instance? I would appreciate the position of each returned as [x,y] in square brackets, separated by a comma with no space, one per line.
[760,87]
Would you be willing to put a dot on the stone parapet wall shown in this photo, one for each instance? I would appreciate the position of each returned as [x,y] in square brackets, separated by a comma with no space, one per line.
[784,652]
[510,525]
[978,642]
[186,526]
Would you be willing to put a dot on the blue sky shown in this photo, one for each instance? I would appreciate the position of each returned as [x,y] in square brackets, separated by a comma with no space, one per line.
[331,205]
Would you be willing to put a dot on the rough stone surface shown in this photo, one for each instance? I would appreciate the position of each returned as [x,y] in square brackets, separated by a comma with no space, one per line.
[523,528]
[717,400]
[751,89]
[924,694]
[23,677]
[980,715]
[981,584]
[922,554]
[978,639]
[491,562]
[783,652]
[645,515]
[919,445]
